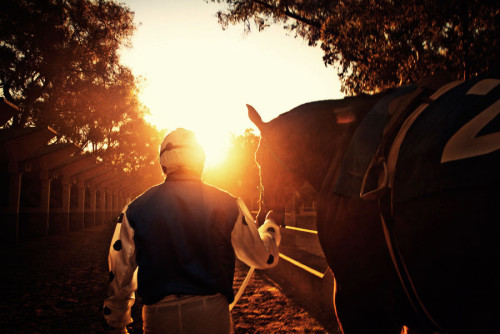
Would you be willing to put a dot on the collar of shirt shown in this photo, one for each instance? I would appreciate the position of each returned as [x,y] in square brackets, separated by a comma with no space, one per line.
[183,176]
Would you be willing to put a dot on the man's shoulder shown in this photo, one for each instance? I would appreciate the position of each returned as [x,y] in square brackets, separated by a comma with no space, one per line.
[220,198]
[219,192]
[145,196]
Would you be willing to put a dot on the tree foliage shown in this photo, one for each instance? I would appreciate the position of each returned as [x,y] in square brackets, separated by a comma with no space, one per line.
[381,44]
[137,151]
[60,64]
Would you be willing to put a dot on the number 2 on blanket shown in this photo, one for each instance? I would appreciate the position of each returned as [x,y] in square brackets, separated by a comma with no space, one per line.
[465,143]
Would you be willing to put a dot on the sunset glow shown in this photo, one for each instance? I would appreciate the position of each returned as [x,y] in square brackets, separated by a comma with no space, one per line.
[200,77]
[216,146]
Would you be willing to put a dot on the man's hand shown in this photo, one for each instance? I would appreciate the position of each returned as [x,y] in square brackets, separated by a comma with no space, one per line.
[277,217]
[113,330]
[118,330]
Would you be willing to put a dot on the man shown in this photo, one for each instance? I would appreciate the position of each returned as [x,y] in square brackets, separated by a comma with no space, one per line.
[182,237]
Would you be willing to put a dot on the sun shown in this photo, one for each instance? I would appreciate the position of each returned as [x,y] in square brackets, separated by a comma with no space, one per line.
[216,146]
[215,138]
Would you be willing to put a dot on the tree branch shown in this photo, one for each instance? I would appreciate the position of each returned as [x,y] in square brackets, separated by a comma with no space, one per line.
[6,91]
[289,13]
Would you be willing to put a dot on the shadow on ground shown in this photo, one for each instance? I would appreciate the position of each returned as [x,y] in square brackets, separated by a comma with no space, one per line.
[57,284]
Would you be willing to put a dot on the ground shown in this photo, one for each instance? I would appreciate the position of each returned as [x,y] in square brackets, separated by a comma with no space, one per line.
[56,284]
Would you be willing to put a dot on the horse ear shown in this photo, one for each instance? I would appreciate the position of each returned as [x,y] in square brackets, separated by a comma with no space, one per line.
[255,117]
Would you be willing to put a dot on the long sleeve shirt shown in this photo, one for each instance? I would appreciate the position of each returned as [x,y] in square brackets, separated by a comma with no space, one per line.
[201,264]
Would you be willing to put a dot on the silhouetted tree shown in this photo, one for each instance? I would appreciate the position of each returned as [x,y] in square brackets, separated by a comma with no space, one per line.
[59,63]
[136,151]
[381,44]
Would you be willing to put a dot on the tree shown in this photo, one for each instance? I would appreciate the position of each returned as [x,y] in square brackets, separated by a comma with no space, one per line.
[59,63]
[239,173]
[380,44]
[136,151]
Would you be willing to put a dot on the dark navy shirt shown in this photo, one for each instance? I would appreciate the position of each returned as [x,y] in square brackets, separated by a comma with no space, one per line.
[183,239]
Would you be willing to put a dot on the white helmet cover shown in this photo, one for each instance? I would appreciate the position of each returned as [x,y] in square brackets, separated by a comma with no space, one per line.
[181,150]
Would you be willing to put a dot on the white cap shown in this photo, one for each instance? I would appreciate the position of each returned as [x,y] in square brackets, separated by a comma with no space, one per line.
[181,150]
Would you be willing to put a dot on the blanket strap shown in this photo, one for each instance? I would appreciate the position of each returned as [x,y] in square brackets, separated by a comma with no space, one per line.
[399,264]
[378,165]
[404,110]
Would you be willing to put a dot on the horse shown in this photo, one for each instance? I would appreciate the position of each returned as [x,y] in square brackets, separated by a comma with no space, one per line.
[407,182]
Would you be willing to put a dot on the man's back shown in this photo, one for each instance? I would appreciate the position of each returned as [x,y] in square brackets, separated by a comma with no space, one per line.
[183,236]
[183,239]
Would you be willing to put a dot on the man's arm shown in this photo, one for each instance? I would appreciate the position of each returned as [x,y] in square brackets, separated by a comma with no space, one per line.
[256,247]
[122,275]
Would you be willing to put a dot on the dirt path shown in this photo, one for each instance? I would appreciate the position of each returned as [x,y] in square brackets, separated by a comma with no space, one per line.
[57,284]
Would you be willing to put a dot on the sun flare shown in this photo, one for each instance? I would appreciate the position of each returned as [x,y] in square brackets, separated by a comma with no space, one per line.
[215,137]
[216,146]
[199,76]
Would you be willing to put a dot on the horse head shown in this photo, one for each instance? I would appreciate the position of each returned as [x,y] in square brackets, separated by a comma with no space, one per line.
[300,145]
[278,180]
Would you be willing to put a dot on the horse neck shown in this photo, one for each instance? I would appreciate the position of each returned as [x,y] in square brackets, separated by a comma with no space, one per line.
[321,135]
[326,155]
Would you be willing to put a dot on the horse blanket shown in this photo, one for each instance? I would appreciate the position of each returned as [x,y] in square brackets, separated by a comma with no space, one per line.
[452,142]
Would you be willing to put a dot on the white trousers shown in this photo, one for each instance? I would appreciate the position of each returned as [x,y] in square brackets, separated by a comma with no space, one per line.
[188,315]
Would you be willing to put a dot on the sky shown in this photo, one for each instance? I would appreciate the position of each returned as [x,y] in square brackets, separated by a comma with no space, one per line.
[200,77]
